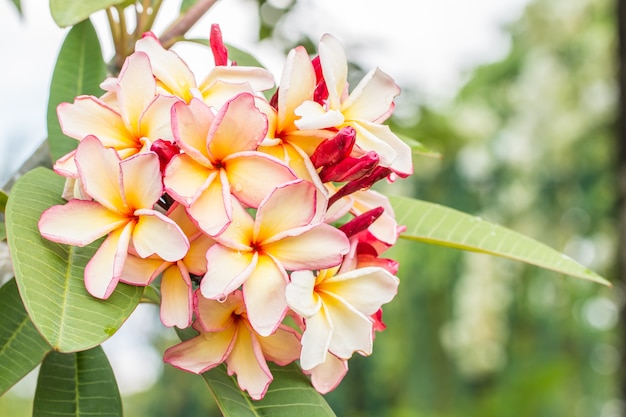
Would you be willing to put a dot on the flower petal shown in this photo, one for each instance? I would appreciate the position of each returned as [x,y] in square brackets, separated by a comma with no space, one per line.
[259,79]
[202,352]
[190,125]
[392,150]
[300,294]
[176,297]
[372,98]
[296,86]
[195,260]
[323,246]
[326,376]
[227,270]
[282,347]
[155,234]
[185,179]
[142,271]
[135,90]
[214,315]
[156,121]
[313,117]
[141,180]
[212,210]
[335,69]
[352,330]
[316,340]
[104,269]
[264,296]
[79,222]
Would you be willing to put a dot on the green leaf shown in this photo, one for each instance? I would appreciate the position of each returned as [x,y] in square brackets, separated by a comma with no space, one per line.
[290,393]
[21,346]
[79,70]
[418,148]
[50,275]
[439,225]
[77,384]
[18,6]
[3,201]
[3,231]
[69,12]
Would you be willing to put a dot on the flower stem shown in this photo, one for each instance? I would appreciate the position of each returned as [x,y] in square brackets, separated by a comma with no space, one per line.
[185,22]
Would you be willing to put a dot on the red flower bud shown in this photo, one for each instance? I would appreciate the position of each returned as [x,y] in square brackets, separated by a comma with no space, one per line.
[350,168]
[220,53]
[362,222]
[332,151]
[165,150]
[362,183]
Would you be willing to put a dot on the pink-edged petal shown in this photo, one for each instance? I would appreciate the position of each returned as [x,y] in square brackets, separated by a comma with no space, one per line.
[227,269]
[316,340]
[176,297]
[366,289]
[352,330]
[155,122]
[393,152]
[264,296]
[297,85]
[212,209]
[220,92]
[334,68]
[66,165]
[300,294]
[136,89]
[308,140]
[289,206]
[202,352]
[104,269]
[229,134]
[253,175]
[282,347]
[214,315]
[155,234]
[320,247]
[313,116]
[141,180]
[142,271]
[190,125]
[185,179]
[259,79]
[79,222]
[326,376]
[247,361]
[173,73]
[385,228]
[90,116]
[372,98]
[99,171]
[238,235]
[179,215]
[195,260]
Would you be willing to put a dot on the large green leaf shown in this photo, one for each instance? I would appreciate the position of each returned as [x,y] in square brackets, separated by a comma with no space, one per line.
[50,275]
[69,12]
[77,385]
[436,224]
[79,70]
[21,346]
[290,393]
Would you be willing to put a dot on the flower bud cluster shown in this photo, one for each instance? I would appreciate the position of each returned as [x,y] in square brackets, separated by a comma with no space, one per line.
[254,217]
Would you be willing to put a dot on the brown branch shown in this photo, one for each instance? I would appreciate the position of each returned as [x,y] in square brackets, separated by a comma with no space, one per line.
[185,22]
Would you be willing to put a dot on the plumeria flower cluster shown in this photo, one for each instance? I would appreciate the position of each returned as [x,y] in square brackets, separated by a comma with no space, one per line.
[254,216]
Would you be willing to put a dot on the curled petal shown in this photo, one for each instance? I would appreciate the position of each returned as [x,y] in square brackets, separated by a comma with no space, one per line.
[326,376]
[300,294]
[313,116]
[155,234]
[393,152]
[202,352]
[255,78]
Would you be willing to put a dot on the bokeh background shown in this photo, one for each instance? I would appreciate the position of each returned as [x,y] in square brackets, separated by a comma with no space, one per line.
[522,100]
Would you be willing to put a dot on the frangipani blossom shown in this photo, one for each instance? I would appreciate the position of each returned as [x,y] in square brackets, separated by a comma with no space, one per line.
[256,253]
[219,159]
[140,118]
[364,109]
[176,284]
[227,336]
[124,193]
[337,309]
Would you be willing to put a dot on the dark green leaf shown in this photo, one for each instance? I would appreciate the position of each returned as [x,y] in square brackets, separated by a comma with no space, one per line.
[79,70]
[21,346]
[50,275]
[290,393]
[69,12]
[439,225]
[3,201]
[77,384]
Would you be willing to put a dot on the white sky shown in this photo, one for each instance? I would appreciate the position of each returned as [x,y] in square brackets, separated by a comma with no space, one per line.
[424,44]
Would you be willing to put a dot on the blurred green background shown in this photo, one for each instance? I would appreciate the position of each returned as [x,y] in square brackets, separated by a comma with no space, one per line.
[528,142]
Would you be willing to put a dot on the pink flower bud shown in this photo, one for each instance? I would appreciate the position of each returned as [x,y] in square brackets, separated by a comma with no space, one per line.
[220,53]
[165,150]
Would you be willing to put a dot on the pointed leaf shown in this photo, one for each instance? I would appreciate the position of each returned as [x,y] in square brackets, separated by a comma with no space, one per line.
[79,70]
[436,224]
[69,12]
[21,346]
[18,6]
[77,384]
[50,275]
[290,393]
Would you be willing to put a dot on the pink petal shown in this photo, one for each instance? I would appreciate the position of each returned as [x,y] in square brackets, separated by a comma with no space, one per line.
[264,296]
[176,297]
[104,269]
[227,270]
[136,89]
[300,294]
[246,184]
[228,134]
[202,352]
[296,86]
[155,234]
[141,271]
[185,179]
[214,315]
[372,98]
[79,222]
[90,116]
[281,347]
[99,171]
[190,125]
[141,179]
[326,376]
[212,209]
[66,165]
[320,247]
[247,361]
